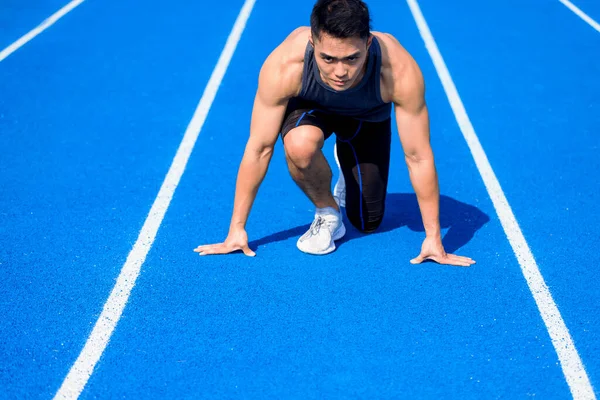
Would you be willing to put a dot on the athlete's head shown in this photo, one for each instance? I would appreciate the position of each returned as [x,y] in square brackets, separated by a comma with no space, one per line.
[341,36]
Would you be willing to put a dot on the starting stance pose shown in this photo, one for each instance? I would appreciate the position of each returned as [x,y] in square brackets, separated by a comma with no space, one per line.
[337,77]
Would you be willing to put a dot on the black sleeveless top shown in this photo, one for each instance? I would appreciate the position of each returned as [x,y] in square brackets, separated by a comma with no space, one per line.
[362,102]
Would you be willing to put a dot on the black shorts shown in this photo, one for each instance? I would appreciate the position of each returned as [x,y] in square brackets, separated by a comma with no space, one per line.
[363,149]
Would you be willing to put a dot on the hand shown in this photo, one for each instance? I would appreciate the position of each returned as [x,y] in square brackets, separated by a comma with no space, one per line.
[432,249]
[236,240]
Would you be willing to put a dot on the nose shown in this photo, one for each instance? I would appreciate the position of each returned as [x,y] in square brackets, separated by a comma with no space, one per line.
[340,70]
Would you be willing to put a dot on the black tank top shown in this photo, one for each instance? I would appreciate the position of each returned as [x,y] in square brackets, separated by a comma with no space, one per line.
[362,102]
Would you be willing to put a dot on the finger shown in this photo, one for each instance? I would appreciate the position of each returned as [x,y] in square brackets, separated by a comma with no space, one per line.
[207,252]
[216,249]
[204,247]
[417,260]
[456,262]
[460,263]
[422,258]
[248,252]
[461,258]
[211,252]
[450,259]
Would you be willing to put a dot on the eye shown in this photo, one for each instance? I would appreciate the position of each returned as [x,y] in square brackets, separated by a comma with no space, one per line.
[327,59]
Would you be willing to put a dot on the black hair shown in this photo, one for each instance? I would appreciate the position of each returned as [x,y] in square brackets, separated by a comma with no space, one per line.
[341,19]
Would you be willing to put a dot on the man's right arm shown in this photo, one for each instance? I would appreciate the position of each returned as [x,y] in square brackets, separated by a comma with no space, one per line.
[267,116]
[275,87]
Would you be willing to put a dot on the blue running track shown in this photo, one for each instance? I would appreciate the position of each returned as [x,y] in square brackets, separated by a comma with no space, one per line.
[92,112]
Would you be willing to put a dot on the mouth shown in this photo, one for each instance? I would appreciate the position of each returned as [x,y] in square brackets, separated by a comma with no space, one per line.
[339,83]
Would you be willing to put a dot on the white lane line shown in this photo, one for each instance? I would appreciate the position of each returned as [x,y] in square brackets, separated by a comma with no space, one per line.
[83,367]
[571,364]
[581,14]
[39,29]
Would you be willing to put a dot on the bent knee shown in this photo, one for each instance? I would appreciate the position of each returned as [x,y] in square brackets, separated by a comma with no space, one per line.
[365,223]
[302,143]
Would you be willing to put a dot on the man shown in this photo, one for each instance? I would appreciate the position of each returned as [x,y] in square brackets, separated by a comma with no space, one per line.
[338,77]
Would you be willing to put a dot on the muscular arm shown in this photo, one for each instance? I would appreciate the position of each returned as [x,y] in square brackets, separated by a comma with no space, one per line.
[412,119]
[279,80]
[267,116]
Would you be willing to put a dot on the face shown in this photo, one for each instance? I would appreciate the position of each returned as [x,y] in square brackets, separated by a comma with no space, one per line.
[341,61]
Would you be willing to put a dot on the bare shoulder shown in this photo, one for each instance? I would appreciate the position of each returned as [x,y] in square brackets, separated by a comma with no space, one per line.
[281,73]
[401,77]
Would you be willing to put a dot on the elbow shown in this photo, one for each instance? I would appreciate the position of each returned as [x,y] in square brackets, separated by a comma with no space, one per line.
[259,153]
[415,158]
[265,153]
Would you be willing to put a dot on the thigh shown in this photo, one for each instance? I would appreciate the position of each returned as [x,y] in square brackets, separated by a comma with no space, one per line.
[299,113]
[365,159]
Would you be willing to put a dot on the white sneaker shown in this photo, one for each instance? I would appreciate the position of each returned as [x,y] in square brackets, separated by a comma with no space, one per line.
[325,229]
[339,190]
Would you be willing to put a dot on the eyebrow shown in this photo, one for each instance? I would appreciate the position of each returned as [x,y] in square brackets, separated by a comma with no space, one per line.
[354,55]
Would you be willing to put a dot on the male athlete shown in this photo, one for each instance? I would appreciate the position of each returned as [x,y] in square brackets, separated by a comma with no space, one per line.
[338,77]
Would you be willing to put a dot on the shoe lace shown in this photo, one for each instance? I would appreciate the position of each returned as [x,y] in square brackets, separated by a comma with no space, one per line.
[315,227]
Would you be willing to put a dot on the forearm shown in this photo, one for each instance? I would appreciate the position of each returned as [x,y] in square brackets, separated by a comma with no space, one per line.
[424,180]
[252,171]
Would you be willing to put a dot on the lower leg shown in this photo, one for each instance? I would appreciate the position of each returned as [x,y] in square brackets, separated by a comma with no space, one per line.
[366,171]
[311,172]
[308,166]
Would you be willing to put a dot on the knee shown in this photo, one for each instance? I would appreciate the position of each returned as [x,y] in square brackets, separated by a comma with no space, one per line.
[372,225]
[301,144]
[367,223]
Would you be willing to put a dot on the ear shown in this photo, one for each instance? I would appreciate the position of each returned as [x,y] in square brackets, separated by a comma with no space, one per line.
[311,40]
[369,41]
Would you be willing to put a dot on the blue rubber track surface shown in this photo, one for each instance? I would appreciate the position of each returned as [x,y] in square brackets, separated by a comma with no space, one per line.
[92,112]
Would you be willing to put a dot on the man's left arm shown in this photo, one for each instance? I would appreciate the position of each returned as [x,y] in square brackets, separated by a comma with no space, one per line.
[412,119]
